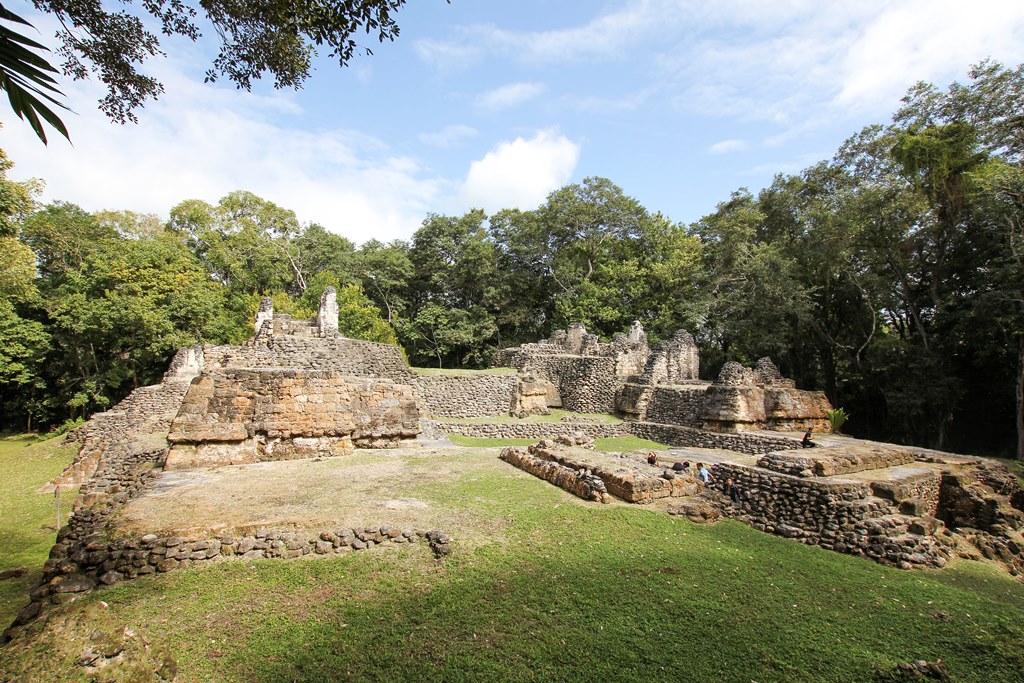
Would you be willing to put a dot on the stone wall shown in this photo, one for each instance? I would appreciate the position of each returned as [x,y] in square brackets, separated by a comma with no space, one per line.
[664,404]
[585,373]
[844,517]
[535,430]
[584,471]
[351,357]
[760,398]
[915,494]
[583,384]
[671,435]
[826,462]
[239,416]
[587,384]
[137,422]
[675,435]
[673,361]
[459,395]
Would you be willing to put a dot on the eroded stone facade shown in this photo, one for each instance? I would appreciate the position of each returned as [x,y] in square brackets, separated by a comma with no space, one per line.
[297,389]
[760,398]
[237,416]
[661,385]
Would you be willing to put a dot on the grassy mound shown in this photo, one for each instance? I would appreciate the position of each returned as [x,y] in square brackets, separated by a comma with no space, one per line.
[560,589]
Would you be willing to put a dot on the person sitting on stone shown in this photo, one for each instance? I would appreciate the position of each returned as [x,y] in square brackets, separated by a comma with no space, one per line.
[807,443]
[704,475]
[731,490]
[652,458]
[678,467]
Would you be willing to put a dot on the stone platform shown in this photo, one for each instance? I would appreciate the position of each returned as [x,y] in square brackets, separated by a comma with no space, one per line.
[627,476]
[905,507]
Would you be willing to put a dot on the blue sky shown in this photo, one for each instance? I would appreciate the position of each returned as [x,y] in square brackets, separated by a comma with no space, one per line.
[495,103]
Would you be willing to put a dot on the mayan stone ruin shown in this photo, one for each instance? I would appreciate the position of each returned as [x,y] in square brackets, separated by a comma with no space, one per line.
[298,390]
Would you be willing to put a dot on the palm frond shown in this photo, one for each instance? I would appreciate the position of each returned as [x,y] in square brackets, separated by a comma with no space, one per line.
[26,77]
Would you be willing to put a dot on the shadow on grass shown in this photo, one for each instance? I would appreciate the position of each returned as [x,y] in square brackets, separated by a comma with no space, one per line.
[672,601]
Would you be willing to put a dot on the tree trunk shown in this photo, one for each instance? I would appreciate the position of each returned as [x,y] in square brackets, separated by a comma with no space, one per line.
[1020,399]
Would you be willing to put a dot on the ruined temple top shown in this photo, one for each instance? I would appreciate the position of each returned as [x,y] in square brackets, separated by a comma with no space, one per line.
[325,324]
[673,360]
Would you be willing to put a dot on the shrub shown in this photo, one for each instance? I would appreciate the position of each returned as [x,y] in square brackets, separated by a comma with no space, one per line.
[64,428]
[837,417]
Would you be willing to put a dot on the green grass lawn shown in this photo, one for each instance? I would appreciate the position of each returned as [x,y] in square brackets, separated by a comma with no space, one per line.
[565,591]
[27,519]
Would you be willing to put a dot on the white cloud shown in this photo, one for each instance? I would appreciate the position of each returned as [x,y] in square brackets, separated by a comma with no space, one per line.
[521,173]
[449,136]
[602,37]
[446,54]
[726,146]
[800,61]
[925,40]
[201,141]
[509,95]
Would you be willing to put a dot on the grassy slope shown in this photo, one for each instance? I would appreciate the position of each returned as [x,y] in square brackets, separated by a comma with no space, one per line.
[569,591]
[27,518]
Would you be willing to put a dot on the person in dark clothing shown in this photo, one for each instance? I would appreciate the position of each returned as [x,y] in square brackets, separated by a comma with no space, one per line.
[652,458]
[731,490]
[807,443]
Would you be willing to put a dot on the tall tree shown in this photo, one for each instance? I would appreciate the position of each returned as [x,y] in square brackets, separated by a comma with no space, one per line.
[275,39]
[455,268]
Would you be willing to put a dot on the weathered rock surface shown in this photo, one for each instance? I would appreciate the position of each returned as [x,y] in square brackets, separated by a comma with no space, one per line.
[237,416]
[744,398]
[624,475]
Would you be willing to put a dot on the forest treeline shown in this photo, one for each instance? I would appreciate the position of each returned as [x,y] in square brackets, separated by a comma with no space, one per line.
[890,276]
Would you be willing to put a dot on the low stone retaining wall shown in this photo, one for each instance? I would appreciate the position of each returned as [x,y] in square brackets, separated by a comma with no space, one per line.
[127,559]
[826,462]
[672,435]
[455,396]
[844,517]
[534,430]
[688,437]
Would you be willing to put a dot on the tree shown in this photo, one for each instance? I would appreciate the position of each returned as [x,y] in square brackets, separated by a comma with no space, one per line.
[442,331]
[248,243]
[358,316]
[452,288]
[384,271]
[17,199]
[256,39]
[24,344]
